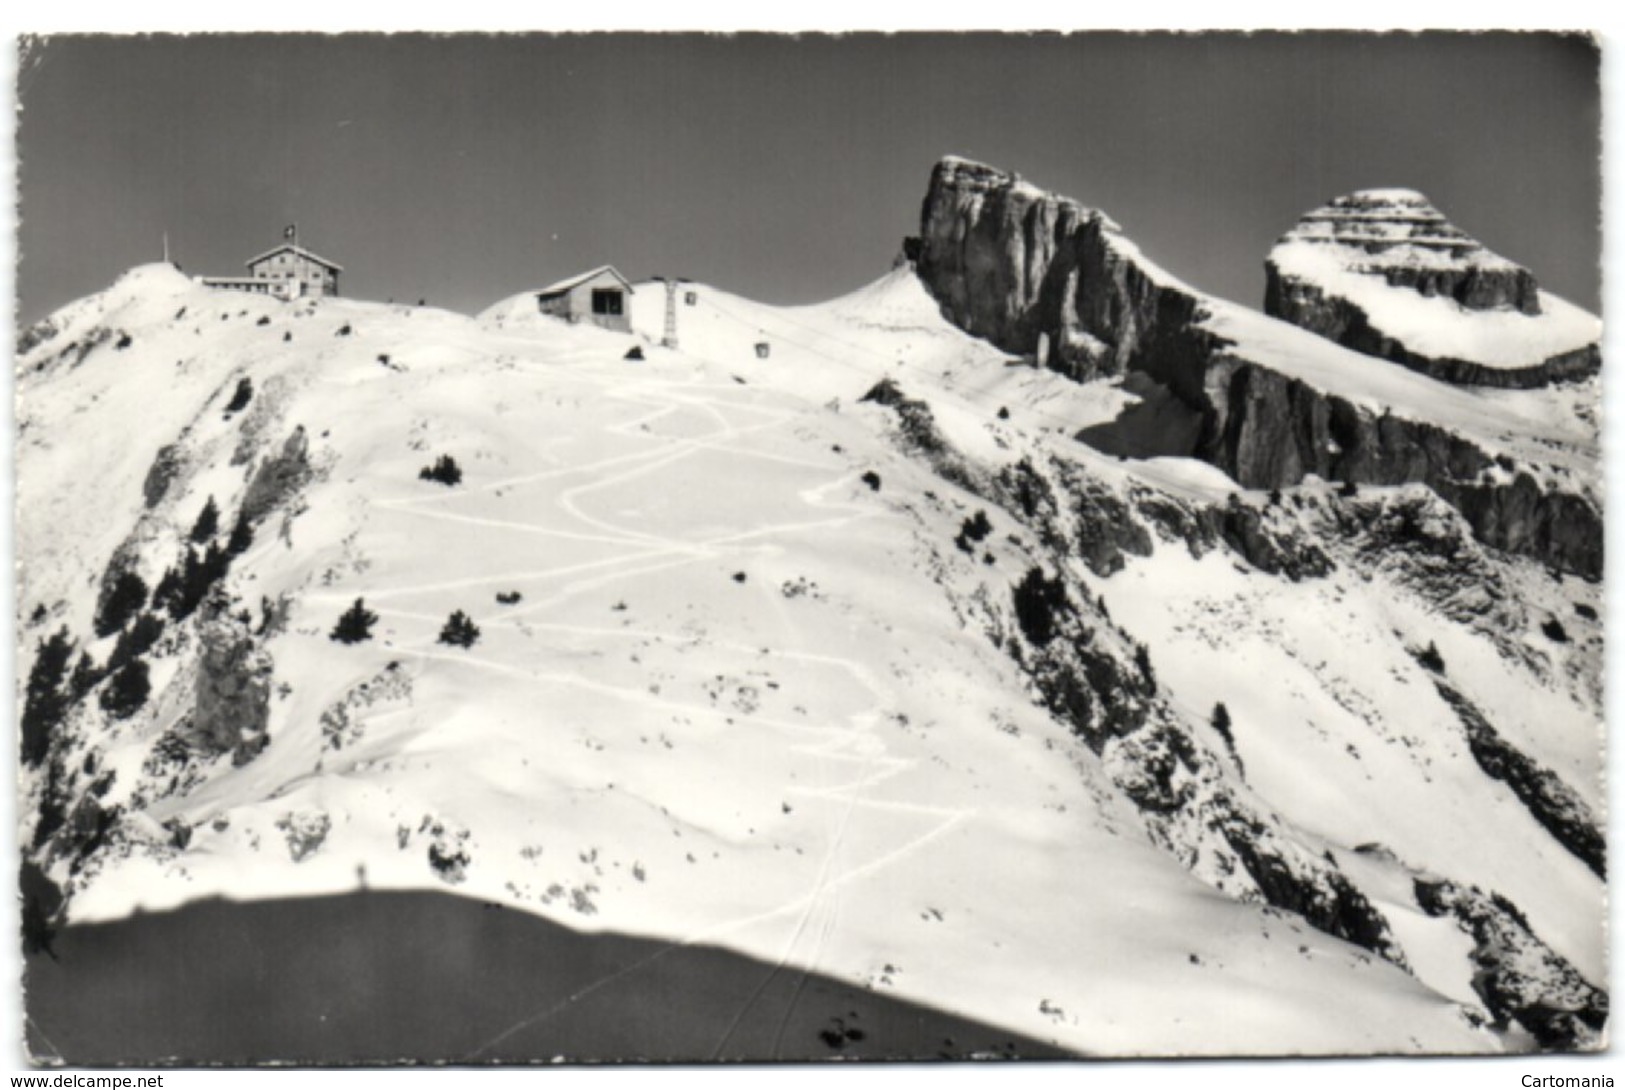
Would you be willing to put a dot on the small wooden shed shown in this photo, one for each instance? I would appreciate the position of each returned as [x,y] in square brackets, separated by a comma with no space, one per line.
[602,297]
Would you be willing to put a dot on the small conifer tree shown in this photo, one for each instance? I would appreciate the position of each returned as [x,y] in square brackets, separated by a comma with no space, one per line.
[136,640]
[459,630]
[1430,658]
[127,691]
[355,624]
[86,676]
[242,536]
[445,470]
[126,597]
[44,703]
[207,524]
[1142,662]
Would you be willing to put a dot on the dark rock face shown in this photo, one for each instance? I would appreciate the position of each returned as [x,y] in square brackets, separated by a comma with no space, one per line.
[1397,238]
[163,471]
[1548,799]
[233,691]
[1246,529]
[1304,304]
[1104,529]
[1078,663]
[278,477]
[1018,266]
[1518,976]
[1040,275]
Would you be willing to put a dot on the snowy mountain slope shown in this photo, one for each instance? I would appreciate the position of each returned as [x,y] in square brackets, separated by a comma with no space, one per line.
[760,677]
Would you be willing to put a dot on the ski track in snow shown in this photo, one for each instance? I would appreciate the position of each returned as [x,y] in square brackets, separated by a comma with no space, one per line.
[816,910]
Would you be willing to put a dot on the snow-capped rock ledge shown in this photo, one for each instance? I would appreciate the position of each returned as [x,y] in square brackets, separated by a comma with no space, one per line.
[1383,272]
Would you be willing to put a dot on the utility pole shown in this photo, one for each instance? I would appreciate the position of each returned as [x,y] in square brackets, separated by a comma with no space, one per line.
[669,340]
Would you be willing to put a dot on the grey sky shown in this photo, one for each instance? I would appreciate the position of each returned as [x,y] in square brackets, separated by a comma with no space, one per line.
[464,169]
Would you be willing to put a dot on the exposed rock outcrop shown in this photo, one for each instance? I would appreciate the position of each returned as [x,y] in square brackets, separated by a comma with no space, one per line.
[1040,275]
[1383,272]
[1019,266]
[1397,235]
[233,691]
[161,474]
[1550,801]
[1188,805]
[1518,976]
[1268,430]
[917,433]
[278,477]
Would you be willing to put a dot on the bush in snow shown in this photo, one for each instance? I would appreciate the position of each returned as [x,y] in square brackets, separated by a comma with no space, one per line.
[1430,658]
[508,597]
[305,832]
[449,862]
[872,479]
[1553,630]
[445,470]
[355,624]
[974,529]
[128,690]
[1038,602]
[244,392]
[459,630]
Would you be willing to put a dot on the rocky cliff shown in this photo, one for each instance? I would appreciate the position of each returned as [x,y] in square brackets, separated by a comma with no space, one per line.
[1042,276]
[233,690]
[1039,274]
[1184,773]
[1383,272]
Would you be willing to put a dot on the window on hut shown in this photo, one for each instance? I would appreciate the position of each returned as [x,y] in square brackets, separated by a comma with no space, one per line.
[606,301]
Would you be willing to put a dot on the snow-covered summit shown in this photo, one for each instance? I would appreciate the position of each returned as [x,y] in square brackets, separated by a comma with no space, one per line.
[1383,271]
